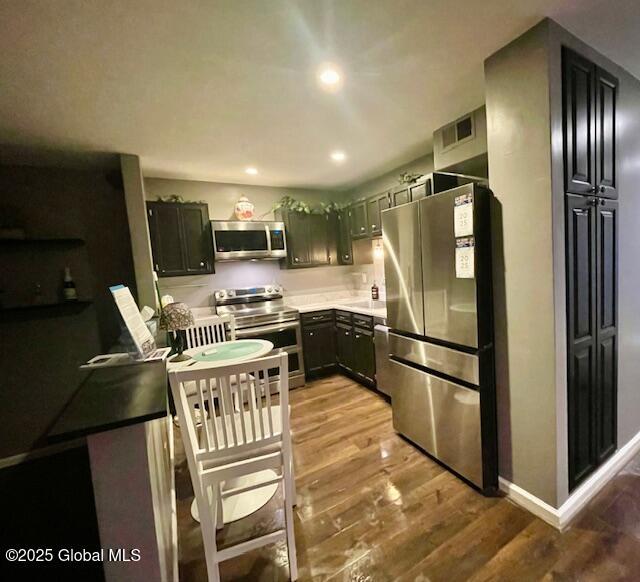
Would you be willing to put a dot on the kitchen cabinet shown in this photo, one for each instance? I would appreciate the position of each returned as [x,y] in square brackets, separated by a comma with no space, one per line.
[358,220]
[591,256]
[364,359]
[307,239]
[318,340]
[180,238]
[375,206]
[344,249]
[344,345]
[590,96]
[400,195]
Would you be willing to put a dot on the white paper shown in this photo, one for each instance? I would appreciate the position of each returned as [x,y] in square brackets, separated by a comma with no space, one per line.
[463,219]
[465,259]
[138,329]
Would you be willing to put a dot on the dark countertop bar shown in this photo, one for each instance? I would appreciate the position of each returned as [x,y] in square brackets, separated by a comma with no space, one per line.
[114,397]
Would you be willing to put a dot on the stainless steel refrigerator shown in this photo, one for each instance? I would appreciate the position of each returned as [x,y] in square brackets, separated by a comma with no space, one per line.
[440,315]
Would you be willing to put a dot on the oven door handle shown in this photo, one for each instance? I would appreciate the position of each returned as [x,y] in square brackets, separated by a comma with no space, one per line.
[270,328]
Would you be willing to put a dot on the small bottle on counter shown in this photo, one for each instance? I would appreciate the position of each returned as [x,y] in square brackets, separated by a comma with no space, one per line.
[375,292]
[69,291]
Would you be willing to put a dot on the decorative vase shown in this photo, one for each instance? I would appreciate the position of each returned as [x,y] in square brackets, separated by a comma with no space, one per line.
[244,209]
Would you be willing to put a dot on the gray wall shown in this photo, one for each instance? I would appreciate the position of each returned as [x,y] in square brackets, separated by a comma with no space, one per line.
[422,165]
[517,101]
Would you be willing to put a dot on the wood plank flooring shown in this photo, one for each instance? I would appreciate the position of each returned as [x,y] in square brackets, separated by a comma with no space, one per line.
[372,508]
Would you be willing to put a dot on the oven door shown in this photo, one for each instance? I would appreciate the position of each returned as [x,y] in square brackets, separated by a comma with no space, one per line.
[285,337]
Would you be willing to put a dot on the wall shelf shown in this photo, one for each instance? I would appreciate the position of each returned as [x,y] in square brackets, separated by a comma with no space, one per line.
[20,312]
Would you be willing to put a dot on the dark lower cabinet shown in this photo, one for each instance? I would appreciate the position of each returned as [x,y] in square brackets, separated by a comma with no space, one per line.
[344,346]
[318,342]
[591,255]
[364,358]
[180,238]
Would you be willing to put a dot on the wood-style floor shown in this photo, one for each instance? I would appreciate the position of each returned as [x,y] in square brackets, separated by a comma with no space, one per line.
[373,508]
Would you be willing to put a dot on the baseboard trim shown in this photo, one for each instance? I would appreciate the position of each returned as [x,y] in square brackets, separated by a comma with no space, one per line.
[561,517]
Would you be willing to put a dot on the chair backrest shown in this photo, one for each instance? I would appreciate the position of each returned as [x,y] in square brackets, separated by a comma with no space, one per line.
[243,411]
[211,330]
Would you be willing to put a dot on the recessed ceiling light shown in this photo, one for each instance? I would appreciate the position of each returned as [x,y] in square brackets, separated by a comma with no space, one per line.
[251,171]
[338,156]
[329,77]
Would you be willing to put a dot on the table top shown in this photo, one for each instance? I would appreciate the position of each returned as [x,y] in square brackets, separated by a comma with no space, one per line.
[223,354]
[114,397]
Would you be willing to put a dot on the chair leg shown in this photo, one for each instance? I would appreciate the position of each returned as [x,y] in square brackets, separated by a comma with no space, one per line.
[219,508]
[294,494]
[289,493]
[209,538]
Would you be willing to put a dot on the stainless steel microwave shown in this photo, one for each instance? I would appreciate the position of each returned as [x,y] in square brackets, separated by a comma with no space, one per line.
[237,240]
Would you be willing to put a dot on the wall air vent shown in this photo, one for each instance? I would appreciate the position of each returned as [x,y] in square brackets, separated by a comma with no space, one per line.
[461,146]
[457,132]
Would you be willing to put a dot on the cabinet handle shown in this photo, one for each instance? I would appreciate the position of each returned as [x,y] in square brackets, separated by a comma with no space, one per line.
[157,267]
[357,336]
[602,189]
[295,259]
[310,333]
[346,333]
[602,202]
[362,228]
[202,263]
[373,226]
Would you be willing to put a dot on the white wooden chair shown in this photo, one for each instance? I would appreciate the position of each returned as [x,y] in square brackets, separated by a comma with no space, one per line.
[210,330]
[237,441]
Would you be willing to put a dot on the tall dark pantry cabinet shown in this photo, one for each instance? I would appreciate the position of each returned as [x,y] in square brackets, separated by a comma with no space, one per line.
[590,95]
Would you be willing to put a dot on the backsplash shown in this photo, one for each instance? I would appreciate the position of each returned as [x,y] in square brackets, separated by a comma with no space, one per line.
[196,291]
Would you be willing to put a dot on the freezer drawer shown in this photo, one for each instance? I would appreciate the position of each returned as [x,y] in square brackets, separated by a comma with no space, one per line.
[441,417]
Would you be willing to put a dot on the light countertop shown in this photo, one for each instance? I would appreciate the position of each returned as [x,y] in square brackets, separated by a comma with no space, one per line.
[361,306]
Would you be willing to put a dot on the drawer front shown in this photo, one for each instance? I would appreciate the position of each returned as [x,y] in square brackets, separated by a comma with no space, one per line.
[441,417]
[317,317]
[343,316]
[365,321]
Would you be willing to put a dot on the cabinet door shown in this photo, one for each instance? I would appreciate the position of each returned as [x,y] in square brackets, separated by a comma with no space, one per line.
[344,346]
[606,98]
[606,328]
[400,196]
[581,333]
[358,220]
[345,254]
[420,190]
[318,239]
[297,225]
[319,348]
[579,123]
[375,206]
[166,238]
[364,360]
[197,239]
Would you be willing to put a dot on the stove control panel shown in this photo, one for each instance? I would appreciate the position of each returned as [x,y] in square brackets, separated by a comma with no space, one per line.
[266,291]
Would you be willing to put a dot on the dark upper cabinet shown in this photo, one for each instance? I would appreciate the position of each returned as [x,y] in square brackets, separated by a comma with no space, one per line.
[420,190]
[358,220]
[307,239]
[590,95]
[375,205]
[591,231]
[606,102]
[180,238]
[344,249]
[400,195]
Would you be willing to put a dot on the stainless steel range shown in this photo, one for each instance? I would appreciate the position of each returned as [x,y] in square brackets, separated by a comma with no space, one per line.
[260,312]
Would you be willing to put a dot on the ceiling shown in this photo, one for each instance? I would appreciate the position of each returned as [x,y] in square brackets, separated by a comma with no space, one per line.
[201,90]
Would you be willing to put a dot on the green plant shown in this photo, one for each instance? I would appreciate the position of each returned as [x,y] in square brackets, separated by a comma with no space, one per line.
[179,199]
[292,205]
[407,178]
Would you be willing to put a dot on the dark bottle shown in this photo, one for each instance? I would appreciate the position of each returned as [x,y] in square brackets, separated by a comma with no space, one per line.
[375,292]
[69,287]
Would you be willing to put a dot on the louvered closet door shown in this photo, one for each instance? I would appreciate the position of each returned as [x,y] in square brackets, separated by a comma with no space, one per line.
[581,330]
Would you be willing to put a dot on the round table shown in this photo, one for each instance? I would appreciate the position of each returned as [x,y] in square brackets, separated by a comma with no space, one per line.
[222,354]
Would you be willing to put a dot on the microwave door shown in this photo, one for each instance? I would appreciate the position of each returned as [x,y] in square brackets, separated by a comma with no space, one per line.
[403,268]
[450,305]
